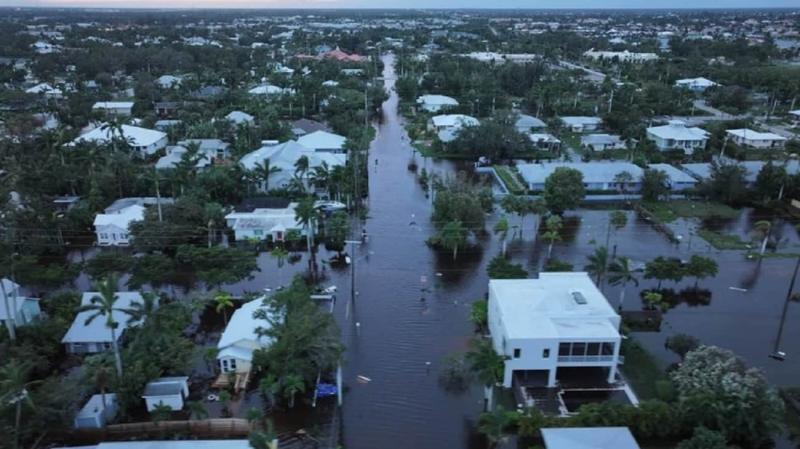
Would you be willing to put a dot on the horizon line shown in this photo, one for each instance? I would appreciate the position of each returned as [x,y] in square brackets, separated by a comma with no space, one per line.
[395,8]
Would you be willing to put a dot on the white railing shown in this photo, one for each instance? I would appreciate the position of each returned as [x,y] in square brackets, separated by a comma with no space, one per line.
[585,358]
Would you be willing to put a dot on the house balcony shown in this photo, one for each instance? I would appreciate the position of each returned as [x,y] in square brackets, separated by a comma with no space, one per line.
[585,358]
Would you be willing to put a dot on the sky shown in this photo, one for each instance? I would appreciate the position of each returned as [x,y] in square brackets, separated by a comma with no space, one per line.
[529,4]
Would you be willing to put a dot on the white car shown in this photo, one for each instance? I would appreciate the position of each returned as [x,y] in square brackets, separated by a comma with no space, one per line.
[329,206]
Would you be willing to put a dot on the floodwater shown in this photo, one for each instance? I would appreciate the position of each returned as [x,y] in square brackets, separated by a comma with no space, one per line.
[411,303]
[393,336]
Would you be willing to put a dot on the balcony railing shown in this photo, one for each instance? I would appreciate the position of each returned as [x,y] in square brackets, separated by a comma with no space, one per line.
[585,358]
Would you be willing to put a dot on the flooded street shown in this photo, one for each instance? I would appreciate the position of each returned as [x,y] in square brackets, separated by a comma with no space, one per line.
[398,334]
[392,335]
[412,304]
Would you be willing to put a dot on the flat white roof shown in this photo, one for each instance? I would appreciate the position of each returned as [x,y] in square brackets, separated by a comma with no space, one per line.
[589,438]
[547,307]
[593,172]
[581,120]
[751,134]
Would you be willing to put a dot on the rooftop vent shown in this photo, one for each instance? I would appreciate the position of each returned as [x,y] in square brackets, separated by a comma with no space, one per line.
[578,298]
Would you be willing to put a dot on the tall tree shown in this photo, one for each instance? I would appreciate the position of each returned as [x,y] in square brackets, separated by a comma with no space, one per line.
[563,190]
[598,265]
[104,304]
[621,273]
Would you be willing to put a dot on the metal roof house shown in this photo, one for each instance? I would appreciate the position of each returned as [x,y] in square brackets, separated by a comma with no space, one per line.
[169,391]
[676,135]
[756,139]
[677,179]
[83,337]
[97,412]
[145,141]
[589,438]
[528,123]
[14,304]
[436,103]
[602,142]
[558,320]
[695,84]
[596,175]
[581,124]
[113,229]
[241,338]
[270,223]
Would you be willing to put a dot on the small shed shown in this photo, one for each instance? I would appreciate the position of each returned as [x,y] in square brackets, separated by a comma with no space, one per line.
[169,391]
[95,415]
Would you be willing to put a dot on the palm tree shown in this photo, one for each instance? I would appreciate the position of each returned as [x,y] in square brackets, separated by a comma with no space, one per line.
[223,301]
[552,234]
[104,305]
[140,312]
[269,387]
[762,229]
[301,166]
[598,264]
[306,215]
[501,229]
[453,235]
[293,384]
[14,390]
[495,425]
[280,255]
[267,439]
[161,412]
[621,274]
[197,410]
[263,171]
[254,415]
[99,372]
[487,364]
[320,175]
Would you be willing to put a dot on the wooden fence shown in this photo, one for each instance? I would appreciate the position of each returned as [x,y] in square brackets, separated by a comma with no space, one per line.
[217,428]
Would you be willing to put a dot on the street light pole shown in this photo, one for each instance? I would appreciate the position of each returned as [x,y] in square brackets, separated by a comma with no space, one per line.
[777,354]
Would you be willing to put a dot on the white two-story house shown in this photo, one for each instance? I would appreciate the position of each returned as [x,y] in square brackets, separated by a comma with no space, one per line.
[559,320]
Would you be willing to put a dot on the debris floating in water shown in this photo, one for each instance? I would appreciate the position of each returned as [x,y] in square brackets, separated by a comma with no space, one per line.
[363,379]
[738,289]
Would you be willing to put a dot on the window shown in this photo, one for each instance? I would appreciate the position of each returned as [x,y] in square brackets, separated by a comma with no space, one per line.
[113,236]
[546,353]
[517,353]
[564,349]
[608,348]
[258,232]
[225,365]
[233,364]
[123,236]
[593,349]
[578,349]
[104,236]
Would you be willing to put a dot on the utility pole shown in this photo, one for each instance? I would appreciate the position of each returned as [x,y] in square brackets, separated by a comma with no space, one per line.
[158,196]
[777,354]
[352,244]
[611,101]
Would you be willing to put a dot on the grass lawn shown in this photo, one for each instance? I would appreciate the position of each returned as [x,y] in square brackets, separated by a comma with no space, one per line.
[668,211]
[723,241]
[510,179]
[641,369]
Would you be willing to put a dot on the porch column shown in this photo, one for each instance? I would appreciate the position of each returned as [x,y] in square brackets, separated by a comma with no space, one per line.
[612,370]
[551,377]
